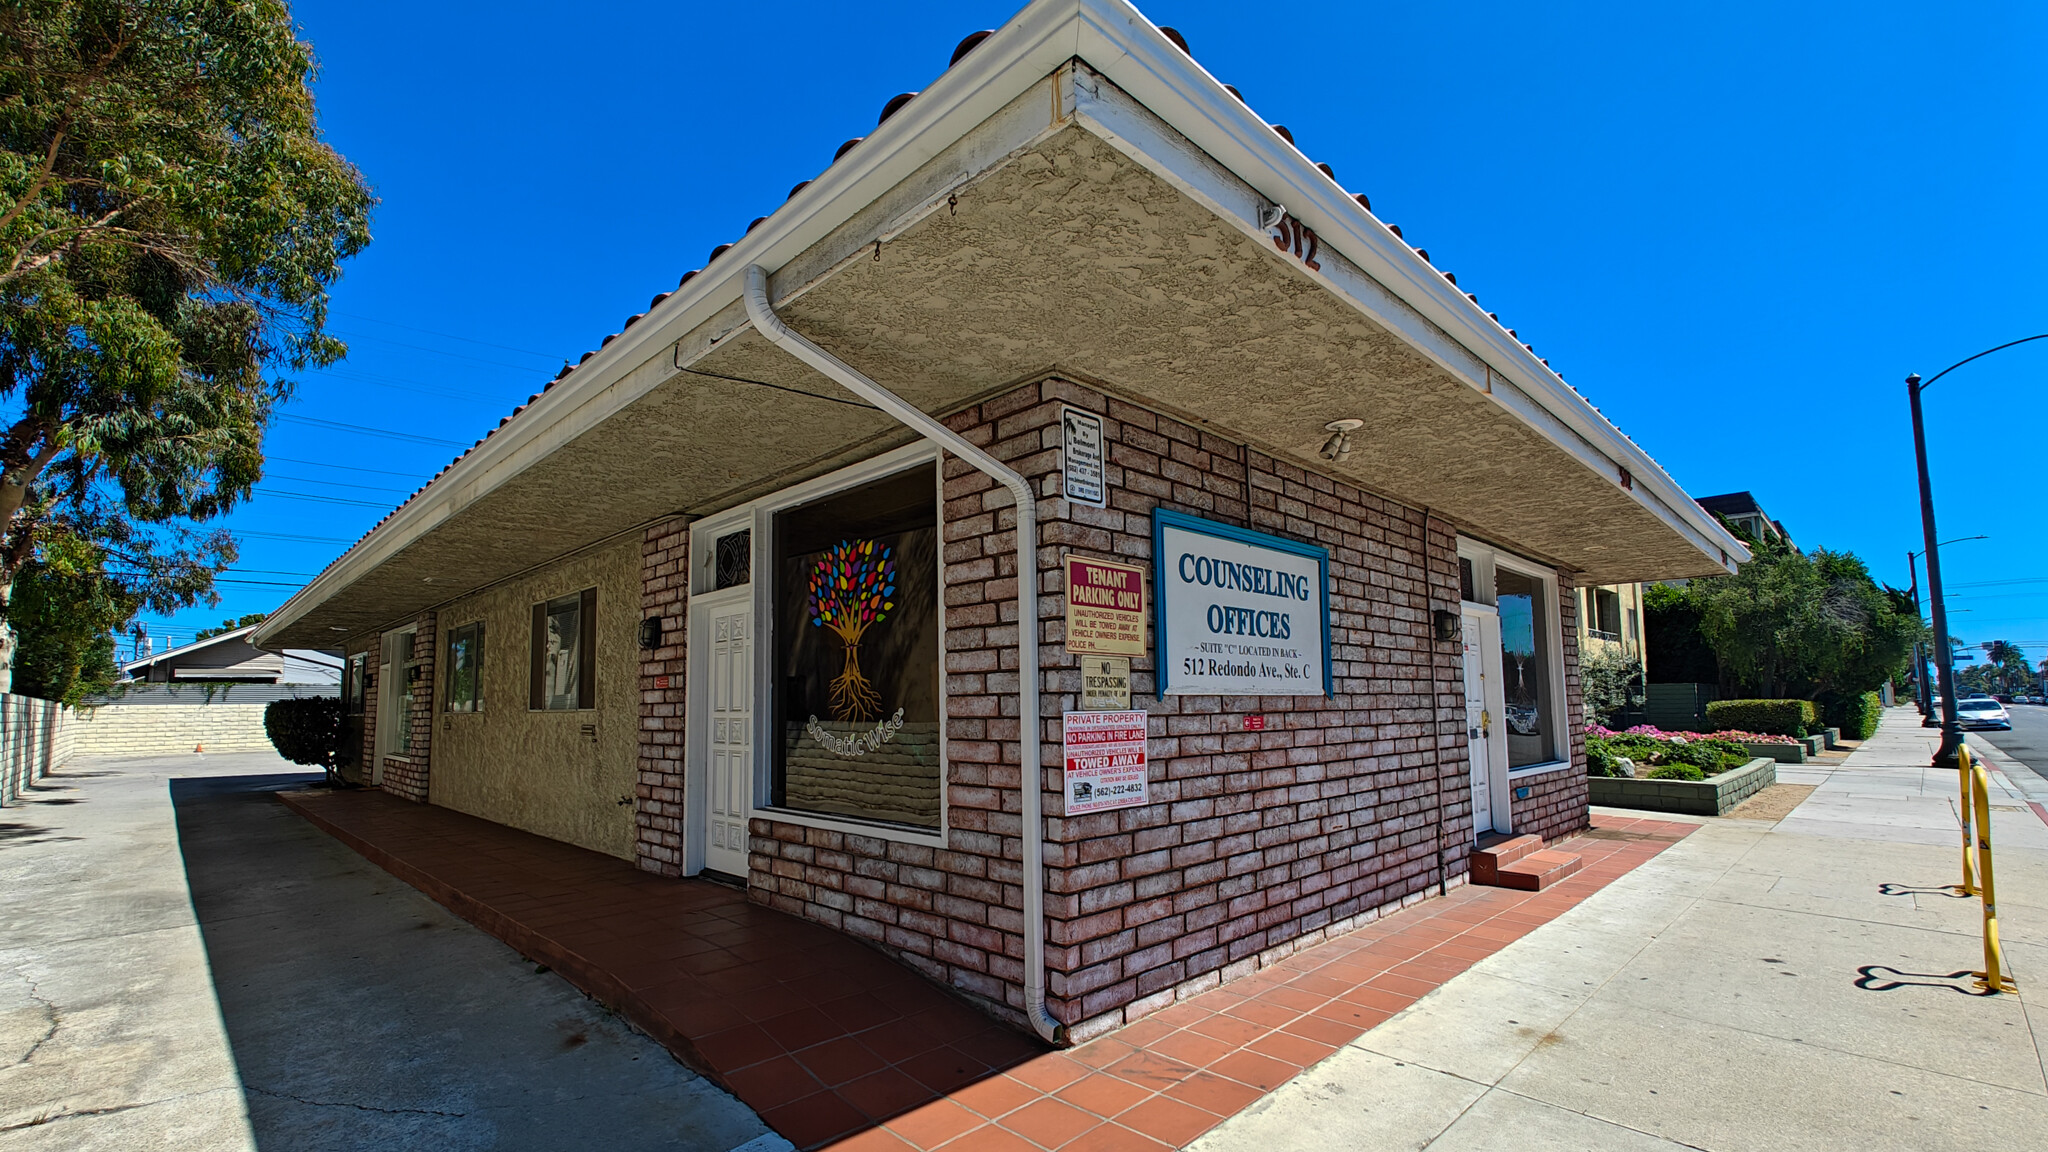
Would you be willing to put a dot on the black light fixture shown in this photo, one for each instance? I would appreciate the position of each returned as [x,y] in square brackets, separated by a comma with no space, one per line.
[1448,625]
[650,632]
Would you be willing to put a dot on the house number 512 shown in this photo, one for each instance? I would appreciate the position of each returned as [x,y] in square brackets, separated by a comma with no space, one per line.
[1300,239]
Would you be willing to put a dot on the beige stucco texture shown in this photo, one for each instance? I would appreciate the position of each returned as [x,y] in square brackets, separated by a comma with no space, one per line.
[540,770]
[1068,256]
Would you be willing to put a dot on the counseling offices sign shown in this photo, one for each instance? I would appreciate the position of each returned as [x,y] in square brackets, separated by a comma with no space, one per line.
[1241,613]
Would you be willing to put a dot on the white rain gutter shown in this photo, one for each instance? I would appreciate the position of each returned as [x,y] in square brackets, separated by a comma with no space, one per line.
[1031,777]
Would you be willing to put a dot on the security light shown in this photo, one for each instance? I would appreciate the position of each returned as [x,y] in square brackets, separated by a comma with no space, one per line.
[1338,446]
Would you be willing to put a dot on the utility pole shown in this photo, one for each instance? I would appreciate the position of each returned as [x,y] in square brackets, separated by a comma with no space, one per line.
[1919,650]
[1945,660]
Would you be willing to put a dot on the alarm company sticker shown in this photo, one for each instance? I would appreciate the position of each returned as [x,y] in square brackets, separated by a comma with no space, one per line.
[1105,754]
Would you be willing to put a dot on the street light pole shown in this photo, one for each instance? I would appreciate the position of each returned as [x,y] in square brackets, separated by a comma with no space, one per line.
[1944,659]
[1919,653]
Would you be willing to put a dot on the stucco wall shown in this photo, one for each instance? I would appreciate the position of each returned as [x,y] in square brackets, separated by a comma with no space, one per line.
[539,770]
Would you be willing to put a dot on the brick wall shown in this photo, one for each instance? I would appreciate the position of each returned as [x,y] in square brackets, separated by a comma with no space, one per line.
[1557,801]
[664,592]
[408,777]
[1253,842]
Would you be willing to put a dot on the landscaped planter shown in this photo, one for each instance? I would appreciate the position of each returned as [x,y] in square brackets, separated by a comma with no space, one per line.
[1710,797]
[1782,753]
[1815,745]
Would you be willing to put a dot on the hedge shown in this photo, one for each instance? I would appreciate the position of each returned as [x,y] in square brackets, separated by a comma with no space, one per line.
[1777,717]
[307,730]
[1856,716]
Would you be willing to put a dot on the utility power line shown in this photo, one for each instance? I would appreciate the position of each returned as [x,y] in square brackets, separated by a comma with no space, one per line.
[360,430]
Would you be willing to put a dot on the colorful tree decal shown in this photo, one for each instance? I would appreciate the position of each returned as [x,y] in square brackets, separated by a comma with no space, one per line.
[851,589]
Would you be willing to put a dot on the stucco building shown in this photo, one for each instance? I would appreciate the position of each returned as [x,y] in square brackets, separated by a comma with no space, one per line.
[816,576]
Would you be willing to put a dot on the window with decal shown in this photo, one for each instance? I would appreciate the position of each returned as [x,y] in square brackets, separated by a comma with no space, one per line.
[857,653]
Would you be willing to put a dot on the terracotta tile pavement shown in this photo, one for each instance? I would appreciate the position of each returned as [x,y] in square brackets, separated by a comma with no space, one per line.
[836,1045]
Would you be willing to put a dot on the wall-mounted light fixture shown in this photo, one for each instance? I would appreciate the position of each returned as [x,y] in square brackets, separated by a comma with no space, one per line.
[1448,625]
[650,632]
[1338,447]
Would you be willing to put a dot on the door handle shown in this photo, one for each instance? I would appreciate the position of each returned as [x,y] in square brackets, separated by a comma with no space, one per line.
[1485,718]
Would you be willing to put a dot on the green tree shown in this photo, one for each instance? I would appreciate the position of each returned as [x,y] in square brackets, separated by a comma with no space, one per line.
[1793,625]
[230,624]
[67,612]
[170,222]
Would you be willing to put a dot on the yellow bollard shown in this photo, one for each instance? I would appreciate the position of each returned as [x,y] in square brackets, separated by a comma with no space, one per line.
[1992,978]
[1964,782]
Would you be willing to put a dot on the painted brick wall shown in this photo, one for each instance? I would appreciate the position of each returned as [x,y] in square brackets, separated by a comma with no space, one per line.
[664,592]
[1557,802]
[408,777]
[1254,842]
[36,735]
[162,729]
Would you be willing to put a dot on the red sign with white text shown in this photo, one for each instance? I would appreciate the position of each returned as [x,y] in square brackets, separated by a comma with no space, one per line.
[1105,607]
[1105,754]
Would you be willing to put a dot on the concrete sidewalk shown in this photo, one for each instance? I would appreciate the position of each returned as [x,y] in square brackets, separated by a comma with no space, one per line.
[1756,986]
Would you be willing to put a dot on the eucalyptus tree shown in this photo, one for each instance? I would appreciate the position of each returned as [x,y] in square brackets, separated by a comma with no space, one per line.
[170,224]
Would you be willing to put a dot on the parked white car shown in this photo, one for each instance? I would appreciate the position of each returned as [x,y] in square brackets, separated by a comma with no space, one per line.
[1982,712]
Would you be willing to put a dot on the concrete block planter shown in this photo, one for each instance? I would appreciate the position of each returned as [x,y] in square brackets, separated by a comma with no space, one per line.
[1815,745]
[1710,797]
[1834,738]
[1782,753]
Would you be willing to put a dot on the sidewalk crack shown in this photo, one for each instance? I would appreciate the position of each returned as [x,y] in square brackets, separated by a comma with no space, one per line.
[50,1010]
[357,1107]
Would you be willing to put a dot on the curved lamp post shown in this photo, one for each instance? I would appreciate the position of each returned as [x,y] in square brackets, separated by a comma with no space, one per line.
[1920,692]
[1944,659]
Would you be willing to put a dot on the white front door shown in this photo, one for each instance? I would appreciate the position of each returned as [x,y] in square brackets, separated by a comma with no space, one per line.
[1482,714]
[729,760]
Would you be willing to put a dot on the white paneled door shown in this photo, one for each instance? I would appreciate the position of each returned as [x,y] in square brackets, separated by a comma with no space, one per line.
[1483,714]
[729,765]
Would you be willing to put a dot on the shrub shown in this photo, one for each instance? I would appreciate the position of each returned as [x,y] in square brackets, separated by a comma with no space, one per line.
[1610,683]
[1778,717]
[1677,772]
[1856,716]
[307,730]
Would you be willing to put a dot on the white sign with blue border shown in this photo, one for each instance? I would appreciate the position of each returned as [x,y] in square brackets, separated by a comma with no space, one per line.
[1240,613]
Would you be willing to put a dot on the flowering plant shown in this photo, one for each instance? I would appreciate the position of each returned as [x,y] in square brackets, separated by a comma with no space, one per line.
[1656,733]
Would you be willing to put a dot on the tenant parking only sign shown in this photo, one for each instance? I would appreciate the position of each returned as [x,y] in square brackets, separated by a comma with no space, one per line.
[1105,753]
[1241,613]
[1105,607]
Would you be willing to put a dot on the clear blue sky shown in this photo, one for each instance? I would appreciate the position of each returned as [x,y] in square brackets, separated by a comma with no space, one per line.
[1735,227]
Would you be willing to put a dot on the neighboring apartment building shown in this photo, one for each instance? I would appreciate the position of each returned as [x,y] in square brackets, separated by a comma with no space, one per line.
[1611,619]
[724,600]
[1742,511]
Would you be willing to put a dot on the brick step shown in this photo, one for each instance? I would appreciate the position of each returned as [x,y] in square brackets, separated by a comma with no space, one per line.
[1503,848]
[1522,862]
[1537,870]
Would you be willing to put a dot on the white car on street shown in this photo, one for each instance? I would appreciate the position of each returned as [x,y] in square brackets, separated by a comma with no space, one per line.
[1982,712]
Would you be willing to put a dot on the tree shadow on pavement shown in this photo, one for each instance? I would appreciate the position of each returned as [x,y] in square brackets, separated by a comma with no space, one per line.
[363,1015]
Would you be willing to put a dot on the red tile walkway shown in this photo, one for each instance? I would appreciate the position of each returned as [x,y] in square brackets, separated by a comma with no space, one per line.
[834,1044]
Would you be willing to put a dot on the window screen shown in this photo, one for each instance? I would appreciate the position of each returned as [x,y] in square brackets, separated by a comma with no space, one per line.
[857,652]
[465,662]
[1525,667]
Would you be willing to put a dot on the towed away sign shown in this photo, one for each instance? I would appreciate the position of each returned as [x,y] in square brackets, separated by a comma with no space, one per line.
[1105,753]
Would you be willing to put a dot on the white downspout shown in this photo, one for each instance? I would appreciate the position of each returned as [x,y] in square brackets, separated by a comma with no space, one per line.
[1031,778]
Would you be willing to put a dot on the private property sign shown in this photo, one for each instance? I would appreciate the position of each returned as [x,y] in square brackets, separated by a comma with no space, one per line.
[1241,613]
[1105,754]
[1105,607]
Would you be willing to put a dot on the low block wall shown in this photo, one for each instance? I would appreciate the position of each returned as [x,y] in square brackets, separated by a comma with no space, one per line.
[1782,753]
[156,729]
[35,736]
[1709,797]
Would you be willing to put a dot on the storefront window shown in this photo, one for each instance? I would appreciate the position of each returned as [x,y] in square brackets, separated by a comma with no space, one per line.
[857,659]
[1525,668]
